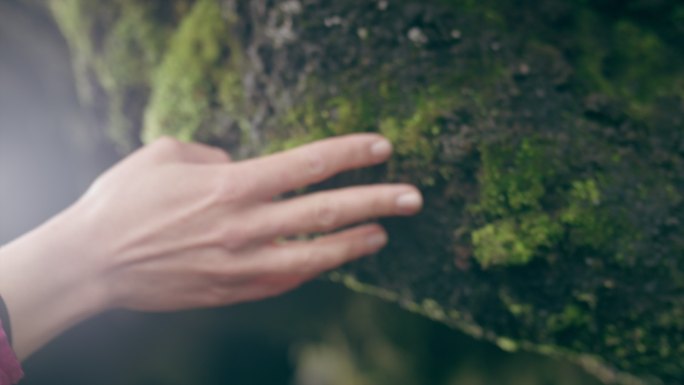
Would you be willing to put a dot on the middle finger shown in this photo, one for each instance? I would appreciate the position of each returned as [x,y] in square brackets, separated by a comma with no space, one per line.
[328,210]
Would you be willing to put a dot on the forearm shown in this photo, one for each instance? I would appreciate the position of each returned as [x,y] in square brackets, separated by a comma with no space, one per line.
[46,283]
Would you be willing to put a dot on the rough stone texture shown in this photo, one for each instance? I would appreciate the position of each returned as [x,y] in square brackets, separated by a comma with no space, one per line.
[547,138]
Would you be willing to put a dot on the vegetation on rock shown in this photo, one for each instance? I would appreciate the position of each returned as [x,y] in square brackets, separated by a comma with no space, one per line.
[547,137]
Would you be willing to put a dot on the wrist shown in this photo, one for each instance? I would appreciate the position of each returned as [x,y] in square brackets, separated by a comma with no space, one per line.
[49,283]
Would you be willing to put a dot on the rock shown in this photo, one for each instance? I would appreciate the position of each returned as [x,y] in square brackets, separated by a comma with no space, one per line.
[548,142]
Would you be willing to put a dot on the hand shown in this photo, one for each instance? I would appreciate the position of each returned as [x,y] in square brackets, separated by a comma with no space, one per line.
[178,226]
[184,227]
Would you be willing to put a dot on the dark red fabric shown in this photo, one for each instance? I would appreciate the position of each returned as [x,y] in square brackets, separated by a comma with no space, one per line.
[10,368]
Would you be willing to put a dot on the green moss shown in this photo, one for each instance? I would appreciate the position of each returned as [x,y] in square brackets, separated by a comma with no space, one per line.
[353,283]
[120,43]
[629,62]
[586,222]
[413,135]
[528,206]
[73,22]
[133,47]
[132,51]
[348,113]
[507,344]
[615,54]
[317,119]
[514,178]
[196,76]
[412,122]
[572,316]
[514,241]
[514,181]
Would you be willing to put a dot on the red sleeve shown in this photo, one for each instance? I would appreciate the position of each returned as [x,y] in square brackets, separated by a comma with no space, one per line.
[10,369]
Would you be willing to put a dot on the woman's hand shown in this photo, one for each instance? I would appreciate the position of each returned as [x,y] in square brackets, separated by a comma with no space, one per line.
[178,225]
[184,227]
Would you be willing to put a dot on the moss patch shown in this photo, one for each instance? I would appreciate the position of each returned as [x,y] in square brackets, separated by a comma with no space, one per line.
[197,76]
[117,46]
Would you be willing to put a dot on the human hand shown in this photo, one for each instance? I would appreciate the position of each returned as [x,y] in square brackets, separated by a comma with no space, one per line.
[178,226]
[181,226]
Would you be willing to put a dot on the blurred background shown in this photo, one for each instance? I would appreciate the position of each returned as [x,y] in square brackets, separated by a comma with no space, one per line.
[321,334]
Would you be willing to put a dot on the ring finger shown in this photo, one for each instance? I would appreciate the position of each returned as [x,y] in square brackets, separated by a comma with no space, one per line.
[303,260]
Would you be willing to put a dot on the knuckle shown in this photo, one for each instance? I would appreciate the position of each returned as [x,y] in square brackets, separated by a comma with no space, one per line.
[328,256]
[348,250]
[229,275]
[222,155]
[326,213]
[343,251]
[217,154]
[167,144]
[306,261]
[227,189]
[234,237]
[276,228]
[315,164]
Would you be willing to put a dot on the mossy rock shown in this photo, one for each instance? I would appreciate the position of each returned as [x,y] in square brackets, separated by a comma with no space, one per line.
[547,138]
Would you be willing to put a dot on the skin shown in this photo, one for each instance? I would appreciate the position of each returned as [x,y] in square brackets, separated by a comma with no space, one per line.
[178,226]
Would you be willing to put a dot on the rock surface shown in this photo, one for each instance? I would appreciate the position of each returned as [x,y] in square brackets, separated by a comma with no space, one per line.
[547,138]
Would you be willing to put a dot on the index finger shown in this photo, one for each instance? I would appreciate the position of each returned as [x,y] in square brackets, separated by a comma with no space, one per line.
[289,170]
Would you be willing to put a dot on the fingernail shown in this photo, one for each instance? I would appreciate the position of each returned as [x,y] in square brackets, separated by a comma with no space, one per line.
[381,148]
[376,240]
[410,201]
